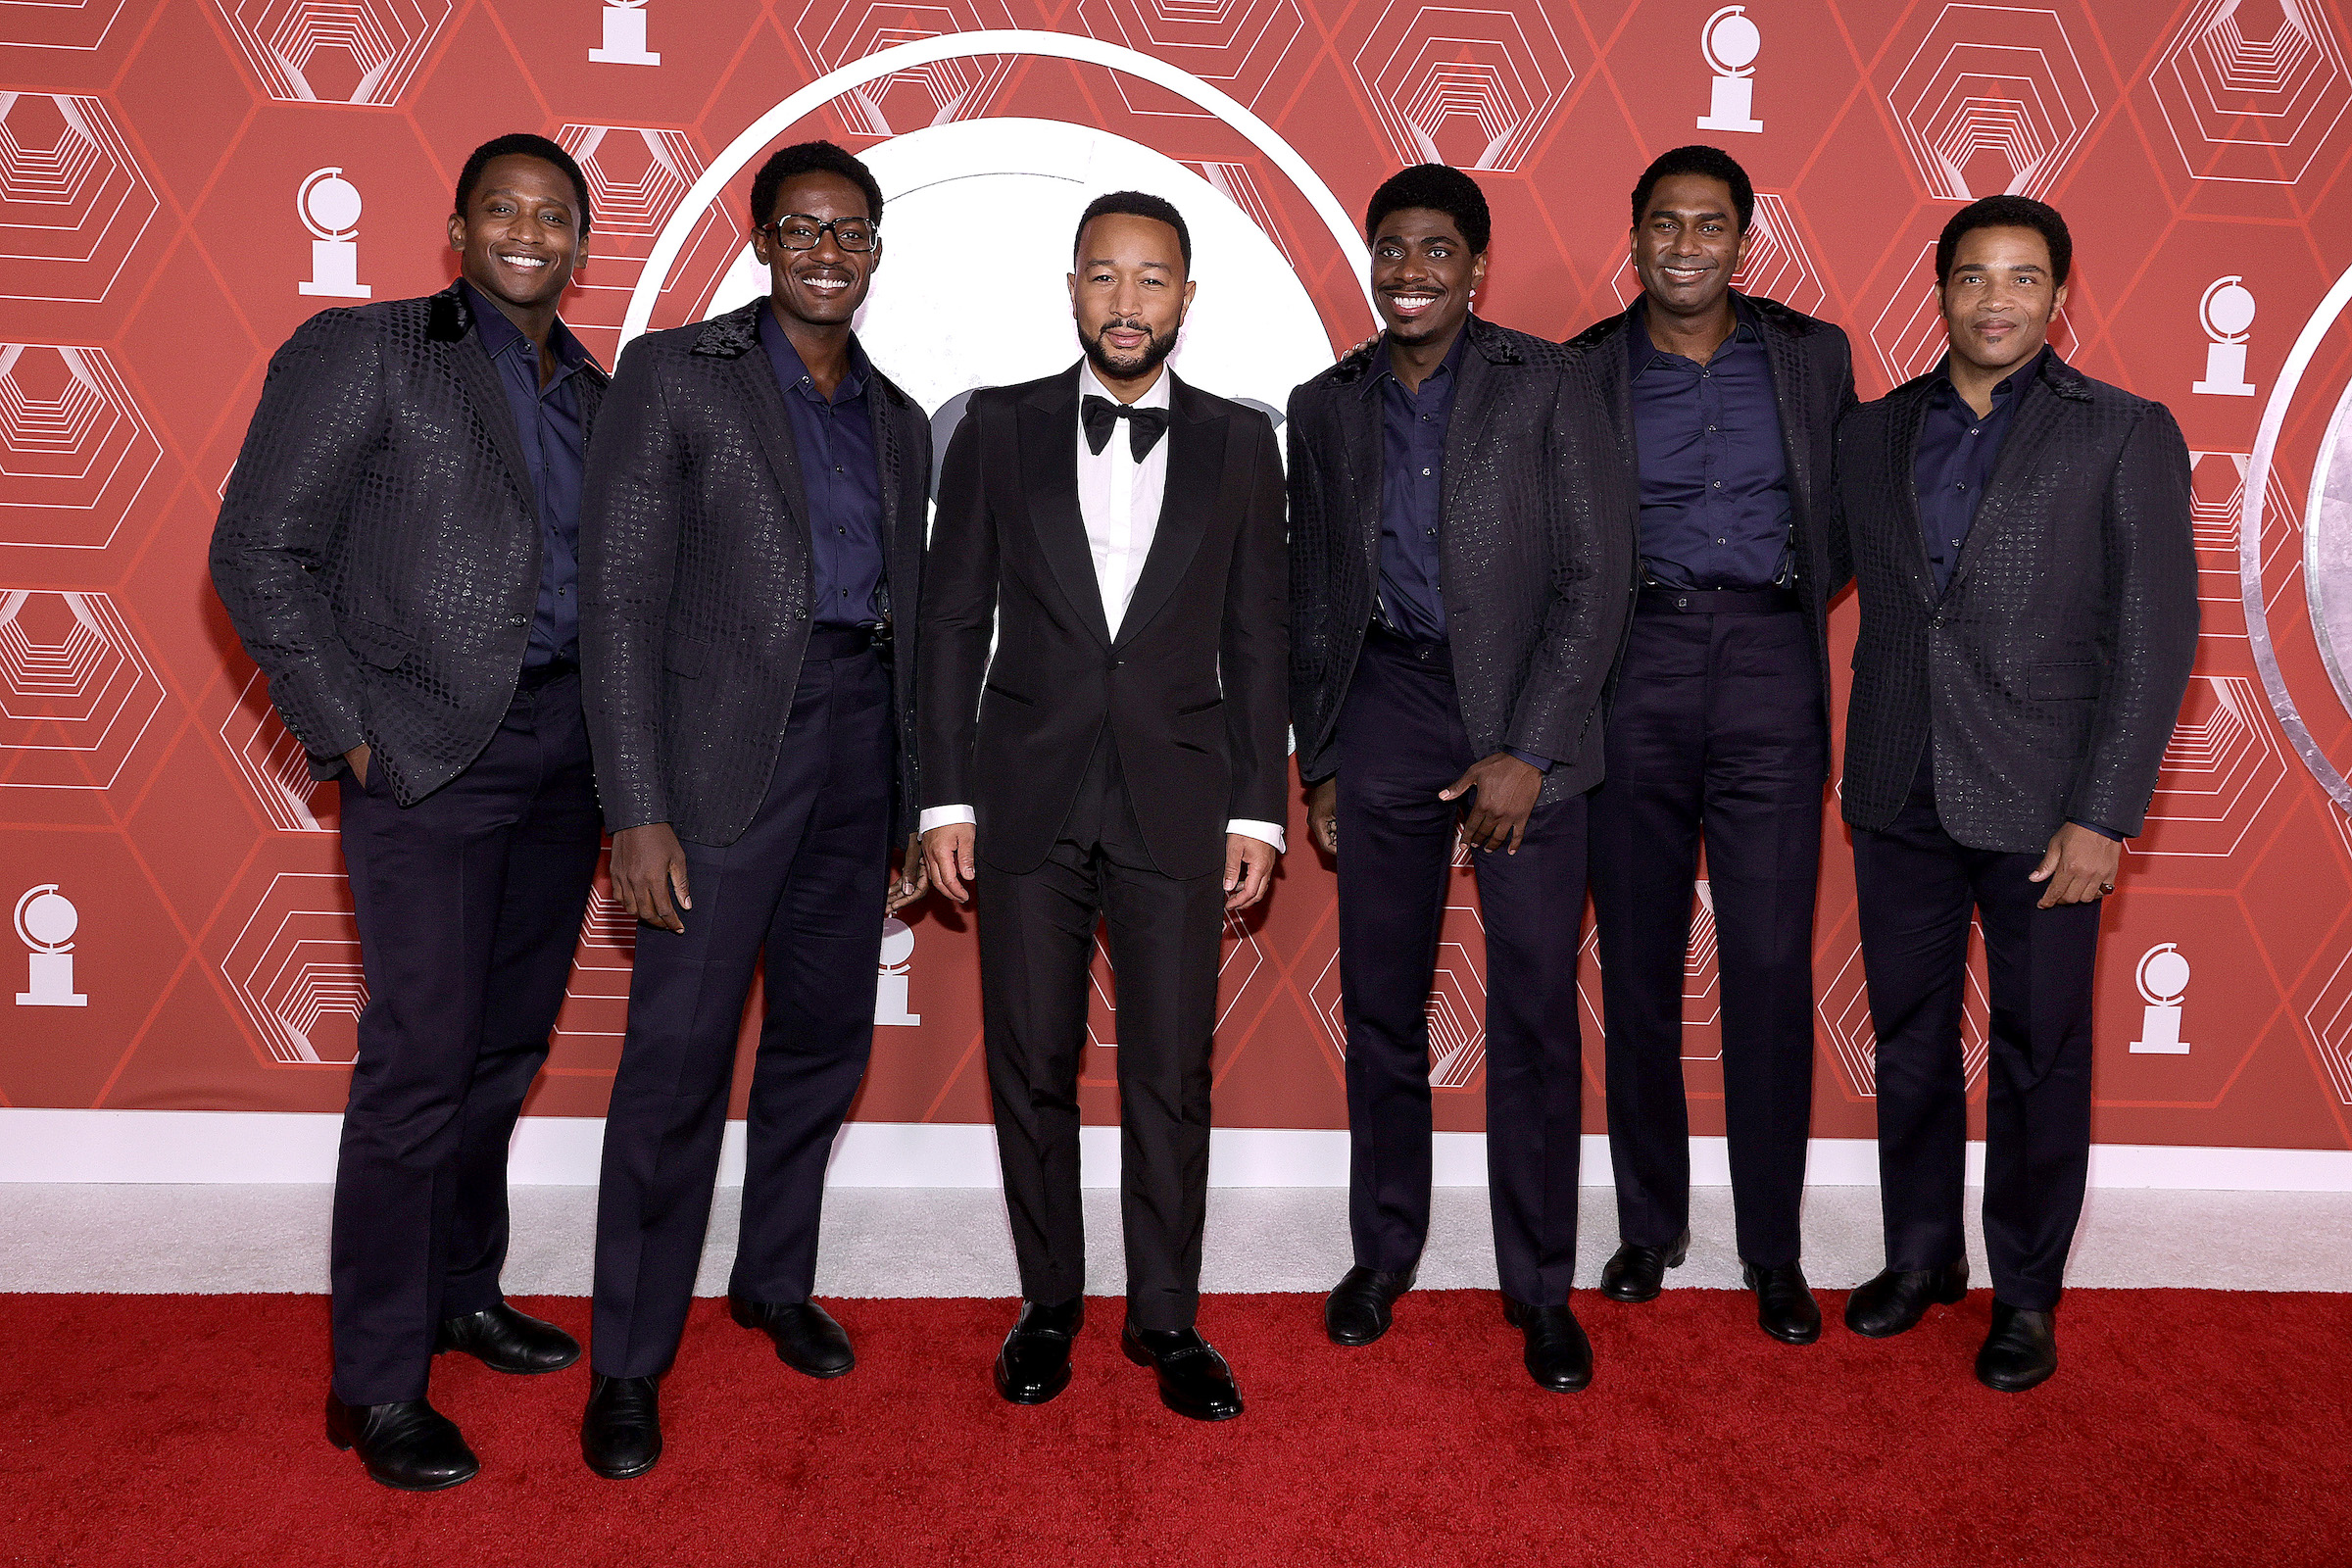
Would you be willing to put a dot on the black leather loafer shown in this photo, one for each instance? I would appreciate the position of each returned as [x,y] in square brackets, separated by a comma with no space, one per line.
[2021,1351]
[1638,1273]
[620,1433]
[1193,1378]
[405,1445]
[1785,1305]
[1358,1309]
[1895,1300]
[1558,1356]
[507,1341]
[1035,1363]
[808,1339]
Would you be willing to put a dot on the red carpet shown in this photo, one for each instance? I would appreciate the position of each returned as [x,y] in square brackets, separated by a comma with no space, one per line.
[2185,1427]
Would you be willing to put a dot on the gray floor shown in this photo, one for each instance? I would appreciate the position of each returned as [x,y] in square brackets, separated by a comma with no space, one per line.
[953,1241]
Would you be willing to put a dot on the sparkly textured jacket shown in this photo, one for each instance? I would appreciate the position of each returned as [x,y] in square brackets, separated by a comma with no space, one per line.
[378,544]
[2050,671]
[1532,579]
[695,576]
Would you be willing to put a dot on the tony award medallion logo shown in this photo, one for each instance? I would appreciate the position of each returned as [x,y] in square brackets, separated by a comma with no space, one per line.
[2162,976]
[2226,310]
[624,36]
[329,206]
[46,920]
[1730,43]
[890,986]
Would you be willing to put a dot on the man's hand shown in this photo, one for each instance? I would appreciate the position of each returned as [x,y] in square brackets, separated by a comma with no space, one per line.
[647,865]
[1507,793]
[948,857]
[1248,869]
[1323,814]
[357,760]
[2080,865]
[913,879]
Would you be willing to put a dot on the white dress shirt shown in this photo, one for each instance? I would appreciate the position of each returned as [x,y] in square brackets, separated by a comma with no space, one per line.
[1119,500]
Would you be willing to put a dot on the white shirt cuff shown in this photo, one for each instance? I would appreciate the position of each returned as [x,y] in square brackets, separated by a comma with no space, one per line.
[943,816]
[1264,832]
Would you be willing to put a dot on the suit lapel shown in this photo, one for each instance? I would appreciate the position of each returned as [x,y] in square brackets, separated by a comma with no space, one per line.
[1788,365]
[1195,473]
[1362,450]
[1473,400]
[1905,414]
[756,383]
[1049,437]
[887,458]
[1614,373]
[2037,415]
[479,379]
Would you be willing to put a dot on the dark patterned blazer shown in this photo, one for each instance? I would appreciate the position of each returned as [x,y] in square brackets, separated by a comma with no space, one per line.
[1190,687]
[695,576]
[1532,581]
[378,544]
[1812,384]
[2050,672]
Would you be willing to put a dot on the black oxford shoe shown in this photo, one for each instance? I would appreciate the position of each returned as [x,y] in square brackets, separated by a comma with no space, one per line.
[507,1341]
[2021,1351]
[1896,1300]
[407,1444]
[1785,1305]
[1558,1356]
[620,1433]
[1035,1363]
[1357,1310]
[808,1339]
[1638,1273]
[1193,1378]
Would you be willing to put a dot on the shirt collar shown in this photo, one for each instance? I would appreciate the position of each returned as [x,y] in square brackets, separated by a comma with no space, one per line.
[1450,367]
[2016,380]
[794,371]
[500,335]
[1640,352]
[1155,397]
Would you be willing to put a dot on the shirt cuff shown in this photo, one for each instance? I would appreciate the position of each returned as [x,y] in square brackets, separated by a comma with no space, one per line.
[2104,832]
[1264,832]
[943,816]
[1541,764]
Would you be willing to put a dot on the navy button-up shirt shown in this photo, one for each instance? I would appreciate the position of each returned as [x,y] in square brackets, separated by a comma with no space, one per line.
[1957,453]
[548,420]
[843,478]
[1412,476]
[1714,476]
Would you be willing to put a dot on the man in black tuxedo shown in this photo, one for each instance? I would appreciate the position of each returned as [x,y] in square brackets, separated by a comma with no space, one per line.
[2020,540]
[1455,605]
[1718,412]
[398,550]
[1118,758]
[754,518]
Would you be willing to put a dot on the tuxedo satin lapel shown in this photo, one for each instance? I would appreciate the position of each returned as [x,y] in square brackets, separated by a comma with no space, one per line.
[756,379]
[1905,414]
[479,377]
[1049,434]
[2042,413]
[1195,473]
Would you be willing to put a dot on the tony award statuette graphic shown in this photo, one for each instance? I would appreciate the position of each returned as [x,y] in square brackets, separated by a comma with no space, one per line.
[2226,310]
[890,986]
[329,206]
[624,36]
[2162,976]
[46,920]
[1730,41]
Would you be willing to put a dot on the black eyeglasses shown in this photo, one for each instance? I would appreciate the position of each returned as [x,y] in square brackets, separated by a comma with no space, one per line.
[799,231]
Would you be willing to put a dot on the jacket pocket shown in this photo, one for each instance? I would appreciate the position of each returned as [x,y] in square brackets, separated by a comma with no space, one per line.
[2060,683]
[685,656]
[384,647]
[1011,696]
[1200,707]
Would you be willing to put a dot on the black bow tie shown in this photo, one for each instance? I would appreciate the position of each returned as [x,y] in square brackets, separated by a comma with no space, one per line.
[1100,413]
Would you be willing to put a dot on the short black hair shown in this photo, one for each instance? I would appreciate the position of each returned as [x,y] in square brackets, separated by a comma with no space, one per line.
[1136,203]
[1439,188]
[811,158]
[520,144]
[1698,159]
[2007,212]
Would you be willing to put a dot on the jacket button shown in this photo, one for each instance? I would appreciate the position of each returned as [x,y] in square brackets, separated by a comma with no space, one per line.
[518,620]
[1118,663]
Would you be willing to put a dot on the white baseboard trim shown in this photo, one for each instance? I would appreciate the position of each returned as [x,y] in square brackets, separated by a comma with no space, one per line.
[229,1146]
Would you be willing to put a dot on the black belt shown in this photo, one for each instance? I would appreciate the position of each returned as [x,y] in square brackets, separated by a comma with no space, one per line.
[1438,656]
[535,676]
[845,642]
[1719,601]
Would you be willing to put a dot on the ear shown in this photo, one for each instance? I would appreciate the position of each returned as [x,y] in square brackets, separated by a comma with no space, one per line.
[457,232]
[1478,271]
[1190,284]
[1740,255]
[1072,280]
[2058,299]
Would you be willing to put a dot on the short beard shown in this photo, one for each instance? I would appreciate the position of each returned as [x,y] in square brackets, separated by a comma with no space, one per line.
[1154,351]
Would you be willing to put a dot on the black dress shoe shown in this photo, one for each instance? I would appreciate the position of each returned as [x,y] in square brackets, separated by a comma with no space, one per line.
[1785,1305]
[1193,1378]
[1035,1363]
[406,1444]
[620,1433]
[1357,1310]
[1896,1300]
[808,1339]
[1558,1356]
[507,1341]
[1638,1273]
[2020,1351]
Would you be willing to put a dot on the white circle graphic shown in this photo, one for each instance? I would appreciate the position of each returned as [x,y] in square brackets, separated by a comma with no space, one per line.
[46,918]
[1730,41]
[330,204]
[2227,308]
[2162,975]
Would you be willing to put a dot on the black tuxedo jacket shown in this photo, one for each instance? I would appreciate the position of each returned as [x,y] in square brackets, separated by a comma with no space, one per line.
[378,547]
[2049,672]
[695,576]
[1532,581]
[1190,689]
[1812,386]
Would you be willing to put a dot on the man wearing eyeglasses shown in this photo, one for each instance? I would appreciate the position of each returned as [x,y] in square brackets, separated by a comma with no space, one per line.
[753,512]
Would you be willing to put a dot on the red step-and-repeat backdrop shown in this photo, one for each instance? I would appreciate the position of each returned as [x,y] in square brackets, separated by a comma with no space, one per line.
[182,182]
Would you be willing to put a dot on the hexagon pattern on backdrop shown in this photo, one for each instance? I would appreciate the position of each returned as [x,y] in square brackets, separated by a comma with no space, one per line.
[152,252]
